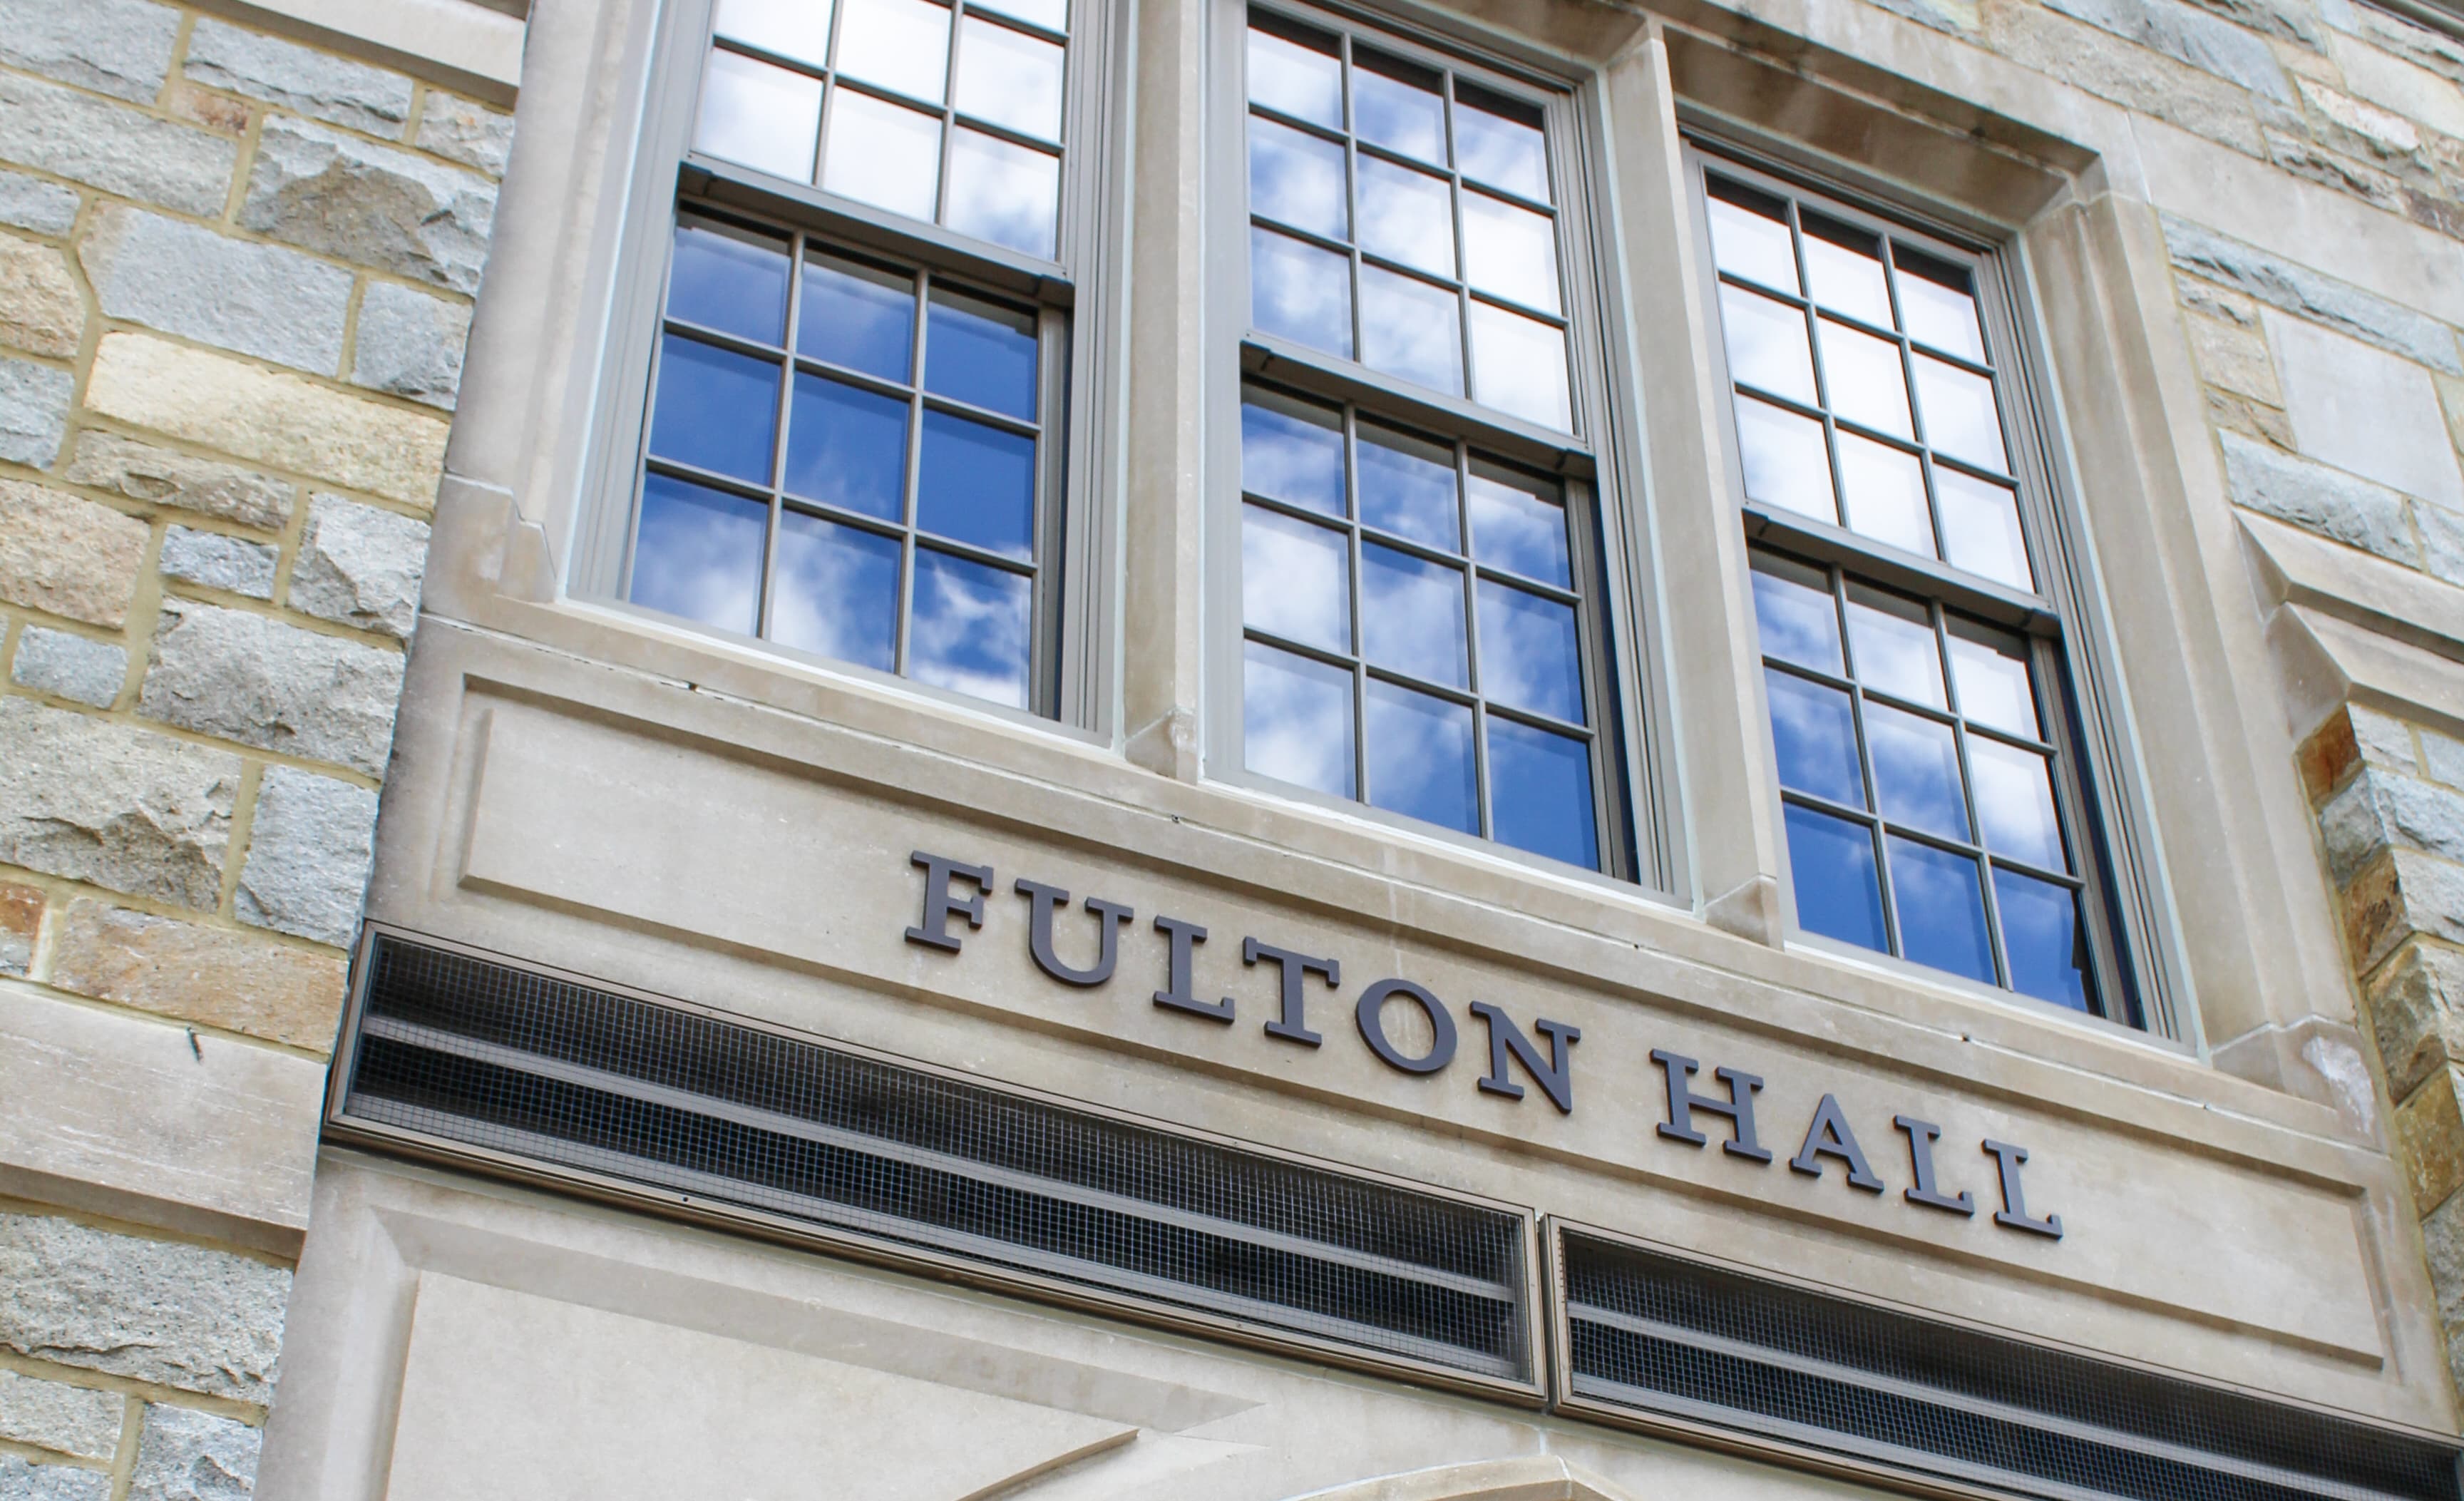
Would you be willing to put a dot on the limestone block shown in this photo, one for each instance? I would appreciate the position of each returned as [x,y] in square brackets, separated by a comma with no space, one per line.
[183,1455]
[185,279]
[298,78]
[466,131]
[2295,289]
[2360,409]
[2387,134]
[361,566]
[117,47]
[2416,1011]
[309,850]
[114,804]
[2429,1132]
[180,1316]
[23,1481]
[2288,19]
[234,980]
[67,556]
[21,919]
[2188,36]
[2402,810]
[2316,498]
[64,1418]
[212,561]
[40,311]
[2393,83]
[113,147]
[34,406]
[270,418]
[254,680]
[28,203]
[2234,358]
[2443,757]
[73,667]
[2132,75]
[410,343]
[2353,830]
[2442,541]
[370,204]
[160,477]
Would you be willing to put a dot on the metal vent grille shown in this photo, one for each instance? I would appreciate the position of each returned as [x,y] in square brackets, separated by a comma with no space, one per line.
[1650,1335]
[554,1077]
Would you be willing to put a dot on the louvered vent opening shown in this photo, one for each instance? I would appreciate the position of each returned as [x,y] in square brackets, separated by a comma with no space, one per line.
[1657,1335]
[458,1050]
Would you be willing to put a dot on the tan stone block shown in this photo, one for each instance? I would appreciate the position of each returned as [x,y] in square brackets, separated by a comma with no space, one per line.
[2416,1011]
[161,476]
[2374,915]
[2252,419]
[21,916]
[2429,1131]
[2235,359]
[2329,756]
[40,309]
[238,981]
[287,421]
[68,555]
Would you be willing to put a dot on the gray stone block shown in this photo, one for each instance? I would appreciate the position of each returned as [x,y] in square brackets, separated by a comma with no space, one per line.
[33,409]
[248,678]
[117,47]
[28,203]
[2204,253]
[73,667]
[160,476]
[410,343]
[2328,502]
[21,1481]
[211,560]
[361,566]
[309,850]
[184,1455]
[113,147]
[2288,19]
[2416,1010]
[183,279]
[64,1418]
[180,1315]
[370,204]
[110,804]
[300,79]
[2188,36]
[465,131]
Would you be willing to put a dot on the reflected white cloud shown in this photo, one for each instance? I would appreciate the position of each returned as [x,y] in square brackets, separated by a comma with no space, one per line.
[1300,292]
[1862,375]
[1004,192]
[1894,653]
[1412,616]
[763,116]
[1410,329]
[1510,252]
[1961,417]
[1990,671]
[797,28]
[1784,460]
[1009,78]
[1517,522]
[901,45]
[1766,342]
[1519,366]
[1885,489]
[1294,580]
[882,154]
[1420,761]
[1296,719]
[968,629]
[1286,76]
[2014,802]
[1528,657]
[837,592]
[1407,216]
[1916,771]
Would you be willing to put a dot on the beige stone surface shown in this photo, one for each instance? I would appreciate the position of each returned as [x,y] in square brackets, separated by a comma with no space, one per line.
[2234,358]
[239,982]
[21,917]
[2430,1125]
[287,421]
[166,476]
[66,555]
[40,308]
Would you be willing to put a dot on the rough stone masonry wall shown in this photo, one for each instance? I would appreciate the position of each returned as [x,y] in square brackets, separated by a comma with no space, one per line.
[236,275]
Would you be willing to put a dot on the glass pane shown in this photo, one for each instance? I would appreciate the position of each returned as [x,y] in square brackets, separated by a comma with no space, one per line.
[1750,235]
[1510,251]
[1529,659]
[1419,758]
[1295,579]
[1409,328]
[1831,863]
[716,410]
[1291,451]
[1519,366]
[1407,487]
[1990,671]
[797,28]
[837,592]
[1844,268]
[1884,491]
[1980,528]
[2014,802]
[1961,419]
[1300,292]
[1540,794]
[2044,938]
[1784,460]
[728,279]
[1004,192]
[859,316]
[1397,106]
[698,554]
[1916,771]
[902,45]
[1296,719]
[763,116]
[882,154]
[970,627]
[1892,639]
[1814,736]
[1941,913]
[1498,142]
[975,485]
[1412,616]
[1053,15]
[1304,83]
[1518,523]
[1794,607]
[1009,78]
[1936,305]
[1407,216]
[1862,375]
[979,352]
[1765,343]
[848,447]
[1296,178]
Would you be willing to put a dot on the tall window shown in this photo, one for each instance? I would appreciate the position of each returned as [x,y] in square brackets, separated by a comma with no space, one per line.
[1905,585]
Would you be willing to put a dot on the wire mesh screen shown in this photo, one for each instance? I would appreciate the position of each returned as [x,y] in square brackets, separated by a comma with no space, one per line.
[1664,1335]
[463,1049]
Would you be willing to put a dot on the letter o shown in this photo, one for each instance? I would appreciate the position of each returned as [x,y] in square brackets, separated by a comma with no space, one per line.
[1372,1026]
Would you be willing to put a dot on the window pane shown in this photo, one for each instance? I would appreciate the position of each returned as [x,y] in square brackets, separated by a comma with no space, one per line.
[1980,528]
[763,116]
[1053,15]
[1540,794]
[902,45]
[1960,417]
[1519,366]
[1844,268]
[1750,235]
[1794,607]
[1510,251]
[1419,758]
[1411,616]
[717,409]
[730,280]
[1884,490]
[1291,451]
[1409,328]
[698,554]
[882,154]
[837,591]
[1396,107]
[1814,737]
[1498,142]
[1004,192]
[1296,719]
[1407,486]
[1990,671]
[1916,771]
[1892,640]
[859,316]
[1785,462]
[1518,523]
[1528,652]
[2044,938]
[1937,307]
[979,352]
[848,447]
[1295,579]
[1941,913]
[1831,863]
[1296,178]
[797,28]
[2014,802]
[1009,78]
[970,628]
[1862,375]
[1766,342]
[1300,292]
[977,485]
[1407,216]
[1296,80]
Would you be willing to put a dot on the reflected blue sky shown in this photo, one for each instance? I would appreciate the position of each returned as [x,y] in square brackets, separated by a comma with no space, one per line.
[848,447]
[1407,487]
[981,352]
[975,485]
[1916,771]
[1295,579]
[1527,653]
[858,316]
[1291,451]
[836,592]
[729,279]
[1412,616]
[1794,607]
[717,409]
[2043,940]
[970,628]
[1296,178]
[2014,802]
[1814,731]
[1395,105]
[698,554]
[1296,719]
[1420,758]
[1300,292]
[1831,863]
[1540,794]
[1410,329]
[1518,524]
[1942,914]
